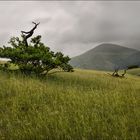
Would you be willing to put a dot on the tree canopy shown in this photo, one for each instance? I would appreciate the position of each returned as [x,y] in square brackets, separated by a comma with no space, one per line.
[35,56]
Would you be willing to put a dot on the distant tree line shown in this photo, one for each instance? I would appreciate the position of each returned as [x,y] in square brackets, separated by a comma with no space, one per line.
[133,66]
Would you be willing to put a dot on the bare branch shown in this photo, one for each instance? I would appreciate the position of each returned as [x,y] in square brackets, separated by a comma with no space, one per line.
[124,73]
[29,33]
[116,73]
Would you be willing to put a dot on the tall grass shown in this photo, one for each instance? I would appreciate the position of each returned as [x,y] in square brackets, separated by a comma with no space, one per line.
[134,71]
[84,105]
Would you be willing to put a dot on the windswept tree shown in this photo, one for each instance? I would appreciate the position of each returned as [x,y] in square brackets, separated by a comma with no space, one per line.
[34,57]
[116,73]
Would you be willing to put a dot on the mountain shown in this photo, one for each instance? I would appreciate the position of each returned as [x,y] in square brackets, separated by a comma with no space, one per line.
[134,44]
[107,57]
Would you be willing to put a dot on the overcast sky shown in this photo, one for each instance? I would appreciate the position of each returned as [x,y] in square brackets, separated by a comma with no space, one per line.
[73,27]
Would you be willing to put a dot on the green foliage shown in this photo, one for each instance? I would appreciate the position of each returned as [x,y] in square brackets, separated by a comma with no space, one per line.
[4,66]
[34,58]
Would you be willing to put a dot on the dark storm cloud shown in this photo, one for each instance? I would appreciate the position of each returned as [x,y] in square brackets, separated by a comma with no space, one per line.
[73,27]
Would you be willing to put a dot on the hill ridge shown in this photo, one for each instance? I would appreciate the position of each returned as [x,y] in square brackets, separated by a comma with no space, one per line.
[107,56]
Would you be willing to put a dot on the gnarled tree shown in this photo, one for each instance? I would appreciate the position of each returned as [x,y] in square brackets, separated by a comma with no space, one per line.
[116,73]
[34,57]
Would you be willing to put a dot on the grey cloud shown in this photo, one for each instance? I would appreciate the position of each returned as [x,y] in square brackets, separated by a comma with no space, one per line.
[73,27]
[3,37]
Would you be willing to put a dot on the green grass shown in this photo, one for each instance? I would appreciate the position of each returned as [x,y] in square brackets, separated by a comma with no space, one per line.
[84,105]
[134,71]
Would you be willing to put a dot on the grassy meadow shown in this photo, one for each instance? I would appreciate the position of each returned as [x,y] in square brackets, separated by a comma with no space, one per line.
[83,105]
[134,71]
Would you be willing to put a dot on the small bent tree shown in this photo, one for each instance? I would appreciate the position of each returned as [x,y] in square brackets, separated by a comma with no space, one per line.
[34,57]
[116,73]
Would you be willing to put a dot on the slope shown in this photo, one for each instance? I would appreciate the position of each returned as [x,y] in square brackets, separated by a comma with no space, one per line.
[80,105]
[107,57]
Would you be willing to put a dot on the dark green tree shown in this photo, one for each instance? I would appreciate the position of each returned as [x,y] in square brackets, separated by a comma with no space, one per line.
[34,57]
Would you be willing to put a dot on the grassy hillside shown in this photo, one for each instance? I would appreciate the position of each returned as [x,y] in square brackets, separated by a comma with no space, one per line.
[107,57]
[82,105]
[134,71]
